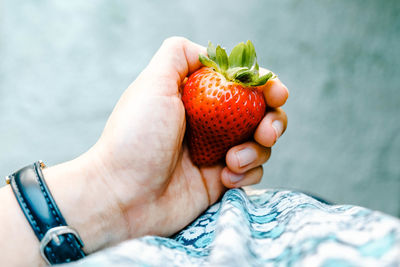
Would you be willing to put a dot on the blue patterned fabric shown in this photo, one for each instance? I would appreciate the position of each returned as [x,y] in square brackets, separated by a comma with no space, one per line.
[267,228]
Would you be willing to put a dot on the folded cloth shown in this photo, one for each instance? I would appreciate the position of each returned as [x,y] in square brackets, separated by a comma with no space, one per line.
[267,228]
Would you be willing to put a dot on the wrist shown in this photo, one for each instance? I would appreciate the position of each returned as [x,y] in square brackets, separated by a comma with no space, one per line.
[86,203]
[17,234]
[133,185]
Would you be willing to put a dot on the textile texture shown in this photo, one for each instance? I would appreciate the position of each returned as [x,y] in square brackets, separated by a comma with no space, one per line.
[267,228]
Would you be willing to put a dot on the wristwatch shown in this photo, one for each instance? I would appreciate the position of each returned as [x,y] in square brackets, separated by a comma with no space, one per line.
[59,243]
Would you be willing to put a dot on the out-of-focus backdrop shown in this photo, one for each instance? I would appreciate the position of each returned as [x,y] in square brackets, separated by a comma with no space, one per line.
[64,64]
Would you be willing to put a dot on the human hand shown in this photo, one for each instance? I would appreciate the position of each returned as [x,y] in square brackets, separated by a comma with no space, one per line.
[141,167]
[138,179]
[148,166]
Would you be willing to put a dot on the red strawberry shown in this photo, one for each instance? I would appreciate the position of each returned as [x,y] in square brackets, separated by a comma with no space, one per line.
[223,102]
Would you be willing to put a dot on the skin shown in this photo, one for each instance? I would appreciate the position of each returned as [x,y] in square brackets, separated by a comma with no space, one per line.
[138,178]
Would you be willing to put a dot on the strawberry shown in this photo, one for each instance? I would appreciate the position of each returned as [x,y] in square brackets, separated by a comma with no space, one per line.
[223,102]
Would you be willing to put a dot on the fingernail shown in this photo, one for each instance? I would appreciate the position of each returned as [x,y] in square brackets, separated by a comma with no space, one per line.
[278,127]
[246,156]
[234,177]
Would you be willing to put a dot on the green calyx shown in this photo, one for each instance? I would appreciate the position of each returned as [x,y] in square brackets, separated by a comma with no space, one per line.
[240,67]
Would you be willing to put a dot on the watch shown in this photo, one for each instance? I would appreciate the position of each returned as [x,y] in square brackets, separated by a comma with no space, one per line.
[59,243]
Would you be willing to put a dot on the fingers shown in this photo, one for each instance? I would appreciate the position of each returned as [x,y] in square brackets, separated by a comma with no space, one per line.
[272,126]
[244,164]
[175,59]
[234,180]
[275,92]
[243,167]
[246,156]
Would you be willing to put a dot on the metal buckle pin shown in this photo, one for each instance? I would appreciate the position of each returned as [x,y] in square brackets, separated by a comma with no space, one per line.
[52,234]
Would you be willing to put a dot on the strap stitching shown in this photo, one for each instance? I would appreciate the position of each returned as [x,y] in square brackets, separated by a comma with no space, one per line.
[46,196]
[53,210]
[25,206]
[68,237]
[48,203]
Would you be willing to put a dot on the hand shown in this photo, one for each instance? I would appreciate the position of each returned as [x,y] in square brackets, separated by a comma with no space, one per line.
[138,178]
[146,163]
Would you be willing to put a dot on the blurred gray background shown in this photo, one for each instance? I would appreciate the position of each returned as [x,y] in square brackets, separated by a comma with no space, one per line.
[64,64]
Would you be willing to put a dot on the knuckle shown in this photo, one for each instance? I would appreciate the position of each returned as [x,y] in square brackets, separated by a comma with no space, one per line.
[284,118]
[280,113]
[259,174]
[174,41]
[266,154]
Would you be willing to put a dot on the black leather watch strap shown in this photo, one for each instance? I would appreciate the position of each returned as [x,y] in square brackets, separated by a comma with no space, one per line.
[59,243]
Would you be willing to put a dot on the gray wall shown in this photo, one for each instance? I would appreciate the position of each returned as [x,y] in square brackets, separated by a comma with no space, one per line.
[64,64]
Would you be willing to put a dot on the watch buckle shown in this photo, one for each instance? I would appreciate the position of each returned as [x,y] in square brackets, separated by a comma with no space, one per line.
[53,235]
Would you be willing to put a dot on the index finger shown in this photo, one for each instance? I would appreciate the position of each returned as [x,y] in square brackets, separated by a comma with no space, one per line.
[275,92]
[175,59]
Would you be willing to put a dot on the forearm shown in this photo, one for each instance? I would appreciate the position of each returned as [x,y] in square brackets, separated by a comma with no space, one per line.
[19,245]
[87,207]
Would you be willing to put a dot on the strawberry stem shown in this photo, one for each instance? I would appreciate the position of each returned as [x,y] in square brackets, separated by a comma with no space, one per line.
[241,66]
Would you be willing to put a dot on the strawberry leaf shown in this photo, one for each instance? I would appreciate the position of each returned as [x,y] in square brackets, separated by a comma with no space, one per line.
[208,62]
[231,73]
[241,66]
[262,80]
[250,55]
[222,59]
[245,76]
[211,51]
[236,56]
[255,68]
